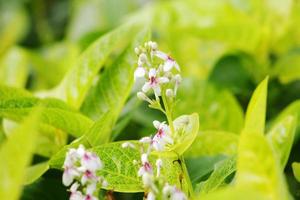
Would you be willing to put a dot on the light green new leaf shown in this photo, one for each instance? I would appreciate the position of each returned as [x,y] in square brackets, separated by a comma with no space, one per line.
[35,171]
[296,170]
[104,102]
[294,110]
[222,170]
[79,79]
[14,67]
[13,23]
[210,143]
[187,127]
[258,167]
[281,138]
[15,155]
[256,111]
[233,193]
[116,80]
[16,104]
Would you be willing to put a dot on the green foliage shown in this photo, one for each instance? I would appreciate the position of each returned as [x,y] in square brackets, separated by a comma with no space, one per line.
[256,111]
[79,79]
[281,138]
[15,158]
[76,60]
[55,113]
[210,143]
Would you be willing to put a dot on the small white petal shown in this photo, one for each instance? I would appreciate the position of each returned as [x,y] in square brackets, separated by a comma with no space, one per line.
[91,188]
[169,93]
[156,124]
[177,66]
[76,196]
[81,150]
[144,158]
[74,187]
[145,140]
[163,80]
[150,196]
[152,72]
[161,55]
[157,90]
[146,87]
[168,65]
[67,178]
[139,72]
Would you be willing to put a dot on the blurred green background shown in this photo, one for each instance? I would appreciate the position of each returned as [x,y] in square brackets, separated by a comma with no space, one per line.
[225,48]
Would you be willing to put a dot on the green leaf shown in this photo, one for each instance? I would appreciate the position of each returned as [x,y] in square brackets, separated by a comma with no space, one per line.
[14,67]
[200,167]
[256,111]
[188,125]
[15,155]
[258,167]
[210,143]
[55,113]
[121,172]
[218,110]
[14,21]
[35,171]
[116,80]
[233,193]
[281,138]
[79,79]
[217,179]
[104,102]
[296,170]
[287,67]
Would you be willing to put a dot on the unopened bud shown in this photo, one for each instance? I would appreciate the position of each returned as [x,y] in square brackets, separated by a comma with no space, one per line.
[142,59]
[169,93]
[137,50]
[142,96]
[178,78]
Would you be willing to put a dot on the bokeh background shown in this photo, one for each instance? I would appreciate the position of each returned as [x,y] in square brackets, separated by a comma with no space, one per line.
[225,48]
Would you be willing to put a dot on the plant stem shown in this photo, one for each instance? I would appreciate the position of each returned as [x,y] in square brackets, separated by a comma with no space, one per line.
[168,112]
[187,177]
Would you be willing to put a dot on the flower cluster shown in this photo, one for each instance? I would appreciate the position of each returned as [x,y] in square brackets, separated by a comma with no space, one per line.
[156,68]
[80,170]
[160,74]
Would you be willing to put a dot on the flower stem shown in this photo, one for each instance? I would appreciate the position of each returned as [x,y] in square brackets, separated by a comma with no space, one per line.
[168,112]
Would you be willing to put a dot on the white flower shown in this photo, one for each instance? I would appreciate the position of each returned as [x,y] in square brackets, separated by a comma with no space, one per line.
[71,158]
[81,150]
[169,62]
[151,196]
[90,197]
[154,82]
[139,72]
[76,196]
[146,140]
[162,137]
[178,195]
[88,176]
[91,161]
[91,188]
[146,166]
[69,174]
